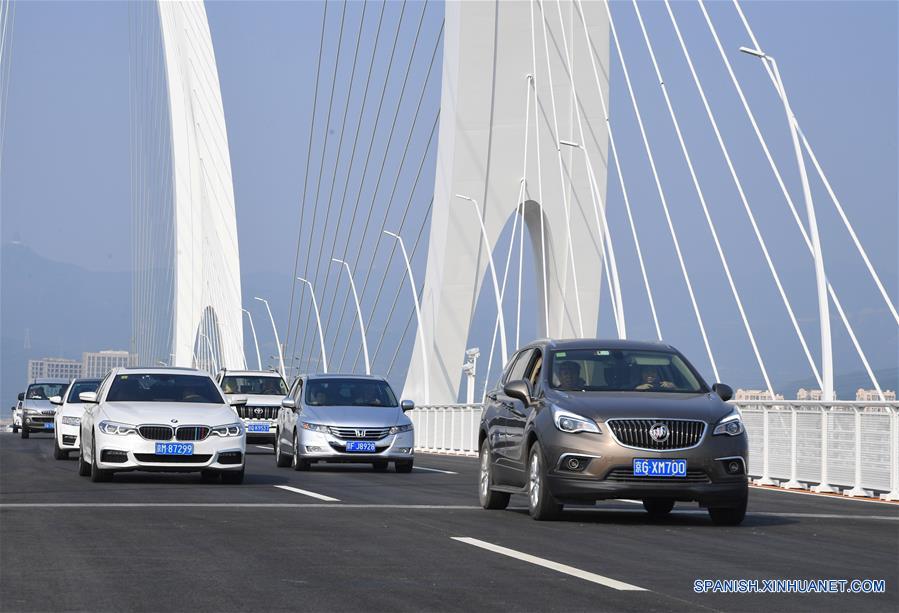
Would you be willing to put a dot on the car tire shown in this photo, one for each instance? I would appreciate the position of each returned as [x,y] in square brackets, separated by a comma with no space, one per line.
[15,429]
[296,462]
[658,508]
[59,453]
[731,515]
[84,469]
[233,477]
[488,498]
[25,432]
[405,466]
[209,476]
[380,466]
[281,459]
[98,475]
[541,504]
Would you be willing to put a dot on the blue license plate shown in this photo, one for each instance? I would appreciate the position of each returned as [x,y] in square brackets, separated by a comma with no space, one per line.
[657,467]
[174,448]
[48,425]
[258,427]
[363,446]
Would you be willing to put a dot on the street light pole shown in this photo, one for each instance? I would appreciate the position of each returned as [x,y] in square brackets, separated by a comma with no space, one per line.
[255,340]
[358,313]
[499,300]
[275,330]
[421,328]
[820,277]
[318,321]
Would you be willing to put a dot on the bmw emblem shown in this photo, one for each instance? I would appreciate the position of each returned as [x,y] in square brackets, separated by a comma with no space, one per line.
[659,432]
[174,421]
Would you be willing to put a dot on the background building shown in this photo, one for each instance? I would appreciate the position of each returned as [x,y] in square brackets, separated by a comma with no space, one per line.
[53,367]
[98,363]
[863,394]
[804,394]
[742,394]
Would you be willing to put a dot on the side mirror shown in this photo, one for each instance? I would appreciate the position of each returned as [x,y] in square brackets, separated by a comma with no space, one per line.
[57,400]
[13,409]
[21,396]
[519,389]
[407,405]
[237,401]
[88,397]
[289,403]
[724,391]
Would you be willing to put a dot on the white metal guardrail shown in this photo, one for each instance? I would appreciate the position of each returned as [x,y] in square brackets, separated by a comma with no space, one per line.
[835,446]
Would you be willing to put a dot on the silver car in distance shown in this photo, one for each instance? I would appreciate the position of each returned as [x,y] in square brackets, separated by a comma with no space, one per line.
[161,419]
[344,418]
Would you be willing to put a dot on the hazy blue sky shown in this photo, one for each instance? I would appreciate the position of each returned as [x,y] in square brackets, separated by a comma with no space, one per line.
[66,186]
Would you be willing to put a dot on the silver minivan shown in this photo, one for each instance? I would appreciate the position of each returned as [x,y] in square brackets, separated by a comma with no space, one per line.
[344,418]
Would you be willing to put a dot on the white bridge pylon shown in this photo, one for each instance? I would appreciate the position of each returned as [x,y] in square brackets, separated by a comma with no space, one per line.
[516,138]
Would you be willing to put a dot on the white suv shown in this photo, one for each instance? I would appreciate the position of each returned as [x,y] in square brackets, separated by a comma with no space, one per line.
[67,421]
[161,419]
[264,390]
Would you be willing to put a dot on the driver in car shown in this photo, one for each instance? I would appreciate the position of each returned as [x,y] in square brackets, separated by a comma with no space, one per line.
[570,376]
[650,380]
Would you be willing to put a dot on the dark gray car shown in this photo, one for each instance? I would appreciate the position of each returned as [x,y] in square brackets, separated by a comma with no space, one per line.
[584,420]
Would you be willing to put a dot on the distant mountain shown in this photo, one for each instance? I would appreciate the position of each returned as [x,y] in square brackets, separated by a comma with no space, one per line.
[846,384]
[66,310]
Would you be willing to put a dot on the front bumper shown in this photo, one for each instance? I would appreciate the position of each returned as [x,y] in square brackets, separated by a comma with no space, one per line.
[322,447]
[67,436]
[609,470]
[137,453]
[38,423]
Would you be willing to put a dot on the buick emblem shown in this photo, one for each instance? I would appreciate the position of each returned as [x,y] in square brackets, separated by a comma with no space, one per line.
[659,432]
[258,411]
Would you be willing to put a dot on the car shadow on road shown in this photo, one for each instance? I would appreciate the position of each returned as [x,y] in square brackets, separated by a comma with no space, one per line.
[678,517]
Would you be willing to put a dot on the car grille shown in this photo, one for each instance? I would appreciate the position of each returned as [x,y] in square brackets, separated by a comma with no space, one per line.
[359,434]
[626,475]
[635,433]
[156,433]
[247,412]
[38,419]
[172,459]
[191,433]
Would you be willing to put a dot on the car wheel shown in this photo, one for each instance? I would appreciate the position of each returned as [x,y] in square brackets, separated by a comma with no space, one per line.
[84,469]
[58,453]
[658,507]
[732,515]
[209,476]
[488,498]
[541,504]
[404,466]
[15,429]
[98,475]
[298,463]
[380,466]
[233,477]
[281,459]
[25,432]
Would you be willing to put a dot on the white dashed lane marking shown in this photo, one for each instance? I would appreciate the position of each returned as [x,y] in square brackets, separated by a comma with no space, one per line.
[435,470]
[297,490]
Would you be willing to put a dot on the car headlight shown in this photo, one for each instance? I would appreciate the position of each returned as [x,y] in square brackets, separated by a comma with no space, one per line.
[315,427]
[732,425]
[70,420]
[228,430]
[112,427]
[402,428]
[572,422]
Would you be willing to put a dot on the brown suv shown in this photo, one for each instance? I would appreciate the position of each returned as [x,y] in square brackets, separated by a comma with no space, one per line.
[577,421]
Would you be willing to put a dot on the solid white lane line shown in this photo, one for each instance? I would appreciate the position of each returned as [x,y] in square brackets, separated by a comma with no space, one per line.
[627,500]
[562,568]
[297,490]
[229,505]
[266,447]
[434,470]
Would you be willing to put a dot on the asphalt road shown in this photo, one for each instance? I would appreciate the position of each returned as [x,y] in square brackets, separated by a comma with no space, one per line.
[347,538]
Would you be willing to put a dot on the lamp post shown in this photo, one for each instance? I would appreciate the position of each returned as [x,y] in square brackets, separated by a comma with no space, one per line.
[318,321]
[470,369]
[255,340]
[820,277]
[499,300]
[421,329]
[275,330]
[358,313]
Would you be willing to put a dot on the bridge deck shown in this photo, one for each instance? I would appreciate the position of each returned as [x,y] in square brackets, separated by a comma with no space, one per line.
[167,542]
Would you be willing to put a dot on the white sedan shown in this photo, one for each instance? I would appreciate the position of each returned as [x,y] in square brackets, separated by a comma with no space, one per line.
[161,419]
[67,421]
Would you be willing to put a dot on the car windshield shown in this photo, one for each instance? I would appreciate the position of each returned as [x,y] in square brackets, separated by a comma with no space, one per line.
[163,387]
[622,370]
[81,386]
[45,391]
[349,392]
[253,384]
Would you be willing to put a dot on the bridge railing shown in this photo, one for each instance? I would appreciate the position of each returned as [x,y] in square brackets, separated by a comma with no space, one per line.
[835,446]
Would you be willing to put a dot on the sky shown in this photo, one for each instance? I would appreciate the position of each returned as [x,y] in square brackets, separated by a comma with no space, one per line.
[65,184]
